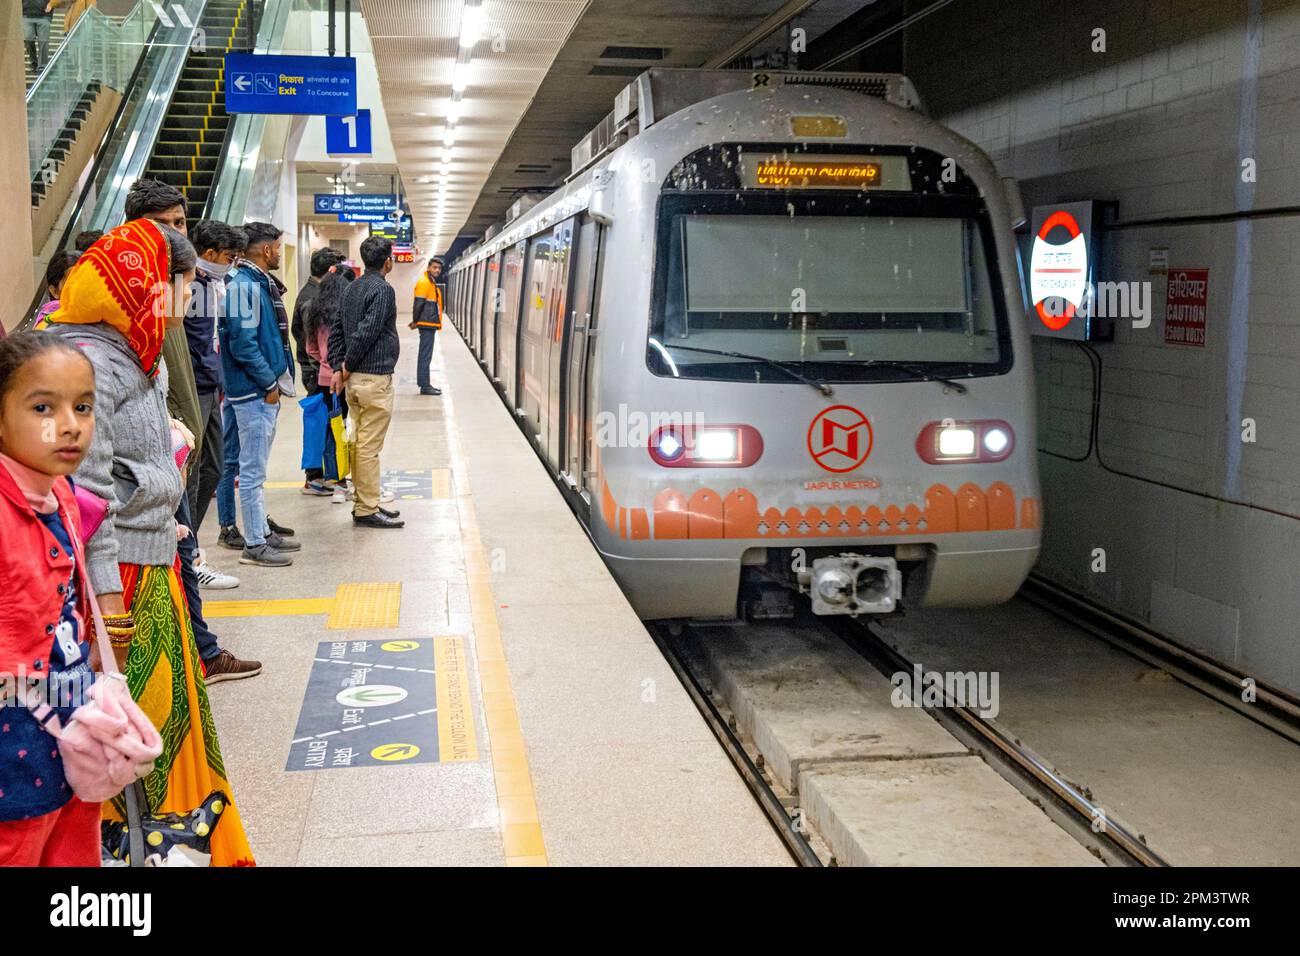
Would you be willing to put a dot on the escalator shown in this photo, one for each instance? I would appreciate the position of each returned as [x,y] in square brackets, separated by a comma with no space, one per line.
[168,117]
[189,145]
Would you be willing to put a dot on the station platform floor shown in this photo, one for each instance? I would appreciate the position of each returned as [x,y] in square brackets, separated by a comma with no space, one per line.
[470,690]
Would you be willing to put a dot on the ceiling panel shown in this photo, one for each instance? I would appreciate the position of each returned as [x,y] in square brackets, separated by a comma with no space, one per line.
[416,44]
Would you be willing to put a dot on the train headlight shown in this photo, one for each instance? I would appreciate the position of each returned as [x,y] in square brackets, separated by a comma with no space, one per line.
[706,446]
[957,442]
[715,444]
[996,441]
[670,445]
[965,442]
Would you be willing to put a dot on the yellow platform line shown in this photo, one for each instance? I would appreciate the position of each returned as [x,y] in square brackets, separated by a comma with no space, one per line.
[521,829]
[353,606]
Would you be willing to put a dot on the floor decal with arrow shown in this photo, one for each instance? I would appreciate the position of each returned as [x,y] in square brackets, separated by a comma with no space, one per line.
[375,703]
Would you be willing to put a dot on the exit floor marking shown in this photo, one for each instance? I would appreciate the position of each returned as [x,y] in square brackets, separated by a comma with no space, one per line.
[373,723]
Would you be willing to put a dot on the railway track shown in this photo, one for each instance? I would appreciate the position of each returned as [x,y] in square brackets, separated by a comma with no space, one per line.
[1268,706]
[1065,803]
[1069,805]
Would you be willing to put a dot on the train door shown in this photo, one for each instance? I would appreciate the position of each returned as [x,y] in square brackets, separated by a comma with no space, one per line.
[508,338]
[471,324]
[491,313]
[533,333]
[562,245]
[578,339]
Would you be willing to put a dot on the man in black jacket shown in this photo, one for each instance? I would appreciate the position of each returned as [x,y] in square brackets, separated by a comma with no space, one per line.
[322,260]
[366,336]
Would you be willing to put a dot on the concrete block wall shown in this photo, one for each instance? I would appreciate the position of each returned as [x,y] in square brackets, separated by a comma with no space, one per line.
[1201,531]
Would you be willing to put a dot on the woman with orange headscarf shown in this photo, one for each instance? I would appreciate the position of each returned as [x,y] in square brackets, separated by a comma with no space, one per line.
[117,303]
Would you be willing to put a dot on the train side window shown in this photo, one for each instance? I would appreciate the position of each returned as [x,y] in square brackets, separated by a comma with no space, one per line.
[537,285]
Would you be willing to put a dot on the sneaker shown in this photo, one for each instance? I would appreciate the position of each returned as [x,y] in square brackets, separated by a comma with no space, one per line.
[377,520]
[316,488]
[386,496]
[282,542]
[430,390]
[266,556]
[226,666]
[278,529]
[340,495]
[232,539]
[213,580]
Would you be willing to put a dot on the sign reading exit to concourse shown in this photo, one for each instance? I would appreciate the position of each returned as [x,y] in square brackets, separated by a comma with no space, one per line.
[306,85]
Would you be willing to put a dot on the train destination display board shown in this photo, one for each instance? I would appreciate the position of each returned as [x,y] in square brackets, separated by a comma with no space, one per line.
[802,171]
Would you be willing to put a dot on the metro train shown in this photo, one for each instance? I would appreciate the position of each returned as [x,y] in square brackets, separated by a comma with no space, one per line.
[769,338]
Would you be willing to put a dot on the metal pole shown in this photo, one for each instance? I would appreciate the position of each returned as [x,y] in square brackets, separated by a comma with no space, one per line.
[332,10]
[347,27]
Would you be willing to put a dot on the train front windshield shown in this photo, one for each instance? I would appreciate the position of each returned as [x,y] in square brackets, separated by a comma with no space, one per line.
[828,295]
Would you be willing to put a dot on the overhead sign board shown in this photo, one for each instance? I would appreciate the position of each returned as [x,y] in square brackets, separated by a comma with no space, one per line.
[393,231]
[364,216]
[348,135]
[1062,265]
[331,203]
[305,85]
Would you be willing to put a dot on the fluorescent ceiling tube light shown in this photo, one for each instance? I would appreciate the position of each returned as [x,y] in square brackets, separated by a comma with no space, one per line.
[471,25]
[458,77]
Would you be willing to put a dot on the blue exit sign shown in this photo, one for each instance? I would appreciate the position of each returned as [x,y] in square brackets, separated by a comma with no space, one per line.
[302,85]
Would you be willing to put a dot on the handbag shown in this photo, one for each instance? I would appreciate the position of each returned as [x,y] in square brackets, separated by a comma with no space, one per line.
[108,743]
[93,510]
[315,423]
[343,443]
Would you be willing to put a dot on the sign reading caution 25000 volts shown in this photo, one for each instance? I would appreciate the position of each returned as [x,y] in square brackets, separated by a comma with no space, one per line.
[305,85]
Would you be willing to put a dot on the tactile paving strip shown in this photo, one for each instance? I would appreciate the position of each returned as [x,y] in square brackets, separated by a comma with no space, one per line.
[366,605]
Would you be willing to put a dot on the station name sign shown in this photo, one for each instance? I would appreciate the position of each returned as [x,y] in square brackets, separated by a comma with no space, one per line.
[1063,262]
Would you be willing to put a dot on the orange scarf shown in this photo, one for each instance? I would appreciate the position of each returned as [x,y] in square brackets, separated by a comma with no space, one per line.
[121,281]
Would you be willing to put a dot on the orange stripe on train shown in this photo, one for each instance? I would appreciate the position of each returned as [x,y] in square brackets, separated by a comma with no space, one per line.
[708,516]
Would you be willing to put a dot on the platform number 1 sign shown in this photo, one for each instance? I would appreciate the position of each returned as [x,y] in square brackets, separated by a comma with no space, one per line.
[348,135]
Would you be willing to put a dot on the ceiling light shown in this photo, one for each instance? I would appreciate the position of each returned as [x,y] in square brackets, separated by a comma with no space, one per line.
[471,25]
[453,112]
[448,136]
[459,77]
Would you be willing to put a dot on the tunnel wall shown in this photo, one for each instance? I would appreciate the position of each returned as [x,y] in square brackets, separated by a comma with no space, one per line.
[1200,529]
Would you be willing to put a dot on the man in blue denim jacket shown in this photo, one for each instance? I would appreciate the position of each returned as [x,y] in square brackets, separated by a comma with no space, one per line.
[258,368]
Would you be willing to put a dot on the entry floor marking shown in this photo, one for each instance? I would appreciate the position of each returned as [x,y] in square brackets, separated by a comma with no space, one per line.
[353,606]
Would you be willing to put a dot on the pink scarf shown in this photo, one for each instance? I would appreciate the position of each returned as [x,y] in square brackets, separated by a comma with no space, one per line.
[36,486]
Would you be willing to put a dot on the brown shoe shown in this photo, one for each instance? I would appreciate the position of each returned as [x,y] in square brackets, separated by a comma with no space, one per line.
[226,666]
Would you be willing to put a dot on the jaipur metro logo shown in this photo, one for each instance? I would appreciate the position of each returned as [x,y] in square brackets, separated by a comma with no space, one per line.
[840,438]
[1058,270]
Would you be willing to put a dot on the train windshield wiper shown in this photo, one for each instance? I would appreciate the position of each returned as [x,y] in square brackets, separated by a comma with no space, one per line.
[774,363]
[918,371]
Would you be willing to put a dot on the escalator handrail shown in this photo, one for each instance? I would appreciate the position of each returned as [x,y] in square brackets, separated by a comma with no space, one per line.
[270,37]
[227,137]
[100,158]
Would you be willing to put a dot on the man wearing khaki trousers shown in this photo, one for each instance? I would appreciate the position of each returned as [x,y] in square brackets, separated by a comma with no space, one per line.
[365,334]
